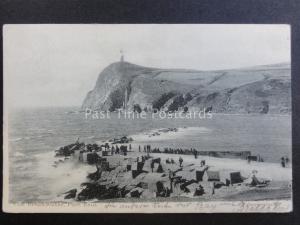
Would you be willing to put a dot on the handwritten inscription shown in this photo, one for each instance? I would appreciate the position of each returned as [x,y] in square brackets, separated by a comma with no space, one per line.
[160,207]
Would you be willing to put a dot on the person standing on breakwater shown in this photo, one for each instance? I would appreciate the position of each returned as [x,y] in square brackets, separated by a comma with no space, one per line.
[112,150]
[282,162]
[195,153]
[148,148]
[213,188]
[171,177]
[248,159]
[152,165]
[287,161]
[180,161]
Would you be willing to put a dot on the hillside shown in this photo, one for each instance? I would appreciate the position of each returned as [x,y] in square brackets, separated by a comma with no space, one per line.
[260,89]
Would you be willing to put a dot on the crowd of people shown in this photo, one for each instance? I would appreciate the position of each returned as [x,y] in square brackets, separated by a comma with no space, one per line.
[192,151]
[123,149]
[284,162]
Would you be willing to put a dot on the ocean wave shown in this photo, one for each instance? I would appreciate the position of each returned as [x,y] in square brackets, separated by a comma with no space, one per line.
[39,178]
[20,139]
[65,176]
[18,154]
[15,139]
[90,137]
[170,133]
[28,138]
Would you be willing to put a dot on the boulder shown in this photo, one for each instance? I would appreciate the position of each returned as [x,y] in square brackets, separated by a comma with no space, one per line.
[140,166]
[91,191]
[186,183]
[235,177]
[143,185]
[211,175]
[199,191]
[136,192]
[70,194]
[199,175]
[218,184]
[92,158]
[135,173]
[156,160]
[160,169]
[95,176]
[163,190]
[104,153]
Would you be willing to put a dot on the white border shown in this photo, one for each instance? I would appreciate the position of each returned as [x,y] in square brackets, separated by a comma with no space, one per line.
[269,206]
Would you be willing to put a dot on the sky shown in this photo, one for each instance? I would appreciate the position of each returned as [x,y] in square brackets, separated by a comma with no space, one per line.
[56,65]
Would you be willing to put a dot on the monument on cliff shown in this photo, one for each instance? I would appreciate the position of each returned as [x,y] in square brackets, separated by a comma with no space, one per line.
[122,56]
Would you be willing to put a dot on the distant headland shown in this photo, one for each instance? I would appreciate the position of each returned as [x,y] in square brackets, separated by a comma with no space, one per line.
[261,89]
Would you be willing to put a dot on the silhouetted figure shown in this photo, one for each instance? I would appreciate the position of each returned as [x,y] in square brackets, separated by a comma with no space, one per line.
[287,161]
[123,149]
[249,159]
[282,162]
[213,188]
[139,148]
[112,150]
[148,148]
[180,161]
[195,153]
[152,166]
[160,169]
[171,178]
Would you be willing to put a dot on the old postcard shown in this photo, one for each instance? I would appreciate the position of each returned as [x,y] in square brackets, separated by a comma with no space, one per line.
[147,118]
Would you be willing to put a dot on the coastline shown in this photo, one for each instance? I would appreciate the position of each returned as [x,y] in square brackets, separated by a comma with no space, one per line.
[279,187]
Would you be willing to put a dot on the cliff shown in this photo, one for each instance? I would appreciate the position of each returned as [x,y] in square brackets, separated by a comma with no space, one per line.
[261,89]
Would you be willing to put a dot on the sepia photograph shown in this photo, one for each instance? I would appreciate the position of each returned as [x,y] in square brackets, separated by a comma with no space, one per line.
[147,118]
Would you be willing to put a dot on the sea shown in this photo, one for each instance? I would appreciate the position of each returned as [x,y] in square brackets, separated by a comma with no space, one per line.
[35,133]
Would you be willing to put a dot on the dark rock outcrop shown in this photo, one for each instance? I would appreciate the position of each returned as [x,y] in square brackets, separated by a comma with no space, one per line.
[71,194]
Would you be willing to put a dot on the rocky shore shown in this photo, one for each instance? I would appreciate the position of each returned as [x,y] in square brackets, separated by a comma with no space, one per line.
[126,170]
